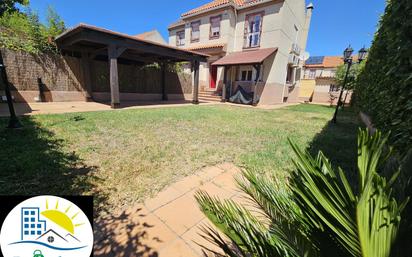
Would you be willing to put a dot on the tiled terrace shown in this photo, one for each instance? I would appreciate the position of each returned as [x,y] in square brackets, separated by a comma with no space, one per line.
[168,224]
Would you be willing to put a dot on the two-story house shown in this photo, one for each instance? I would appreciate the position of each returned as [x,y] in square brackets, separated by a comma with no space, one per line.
[318,83]
[255,45]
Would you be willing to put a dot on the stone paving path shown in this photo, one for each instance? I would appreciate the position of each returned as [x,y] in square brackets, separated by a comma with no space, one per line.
[73,107]
[168,224]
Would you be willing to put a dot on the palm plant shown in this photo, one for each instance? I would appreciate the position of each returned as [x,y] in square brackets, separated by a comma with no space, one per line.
[319,212]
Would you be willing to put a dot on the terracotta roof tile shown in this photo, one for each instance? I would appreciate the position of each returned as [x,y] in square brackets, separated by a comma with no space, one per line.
[218,3]
[144,35]
[245,57]
[206,46]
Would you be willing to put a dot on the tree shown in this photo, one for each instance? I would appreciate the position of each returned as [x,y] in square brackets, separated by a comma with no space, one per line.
[320,213]
[10,5]
[55,24]
[354,71]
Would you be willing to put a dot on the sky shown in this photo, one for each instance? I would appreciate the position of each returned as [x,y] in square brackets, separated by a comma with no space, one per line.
[335,23]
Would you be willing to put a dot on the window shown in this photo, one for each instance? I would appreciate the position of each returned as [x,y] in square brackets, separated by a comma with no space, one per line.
[215,27]
[312,74]
[289,75]
[333,88]
[195,31]
[246,75]
[253,28]
[180,38]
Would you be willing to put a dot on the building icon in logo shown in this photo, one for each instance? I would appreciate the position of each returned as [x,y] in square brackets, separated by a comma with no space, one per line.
[31,225]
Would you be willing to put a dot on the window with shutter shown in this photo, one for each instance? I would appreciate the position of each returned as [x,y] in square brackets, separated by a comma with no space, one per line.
[195,31]
[180,38]
[215,27]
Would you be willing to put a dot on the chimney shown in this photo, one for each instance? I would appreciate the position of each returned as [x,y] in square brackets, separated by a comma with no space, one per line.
[309,9]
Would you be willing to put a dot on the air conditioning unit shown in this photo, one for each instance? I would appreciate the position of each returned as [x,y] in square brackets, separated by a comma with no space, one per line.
[295,49]
[293,59]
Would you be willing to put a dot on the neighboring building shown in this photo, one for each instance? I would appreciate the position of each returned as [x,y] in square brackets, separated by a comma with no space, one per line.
[259,43]
[153,36]
[319,84]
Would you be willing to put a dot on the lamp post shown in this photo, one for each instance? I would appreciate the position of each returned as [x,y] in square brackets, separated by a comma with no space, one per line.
[14,121]
[347,59]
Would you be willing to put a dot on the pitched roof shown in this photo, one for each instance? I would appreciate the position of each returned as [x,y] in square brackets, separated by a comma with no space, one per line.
[146,34]
[218,3]
[206,46]
[245,57]
[177,24]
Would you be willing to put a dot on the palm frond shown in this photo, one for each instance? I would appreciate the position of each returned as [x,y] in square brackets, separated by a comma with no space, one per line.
[244,230]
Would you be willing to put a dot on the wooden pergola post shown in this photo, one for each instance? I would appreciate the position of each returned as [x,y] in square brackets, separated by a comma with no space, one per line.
[224,87]
[114,53]
[163,70]
[257,68]
[196,82]
[86,63]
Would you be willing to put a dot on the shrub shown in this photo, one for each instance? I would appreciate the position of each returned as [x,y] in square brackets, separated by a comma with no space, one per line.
[384,87]
[320,213]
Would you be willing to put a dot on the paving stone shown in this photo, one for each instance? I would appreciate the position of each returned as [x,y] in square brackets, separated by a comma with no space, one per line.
[215,190]
[133,234]
[227,182]
[181,214]
[199,244]
[164,197]
[209,173]
[177,248]
[188,183]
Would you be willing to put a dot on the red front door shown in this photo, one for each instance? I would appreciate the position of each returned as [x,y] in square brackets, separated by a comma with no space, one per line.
[213,75]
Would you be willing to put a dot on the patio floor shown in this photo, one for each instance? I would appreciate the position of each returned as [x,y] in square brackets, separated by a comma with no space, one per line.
[168,224]
[68,107]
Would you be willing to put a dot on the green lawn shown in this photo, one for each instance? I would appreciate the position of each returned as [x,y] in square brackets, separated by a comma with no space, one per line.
[126,155]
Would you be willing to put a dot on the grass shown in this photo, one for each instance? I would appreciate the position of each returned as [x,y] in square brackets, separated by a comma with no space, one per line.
[124,156]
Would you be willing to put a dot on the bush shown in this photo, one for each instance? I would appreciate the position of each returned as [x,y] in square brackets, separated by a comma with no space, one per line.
[384,87]
[320,212]
[24,32]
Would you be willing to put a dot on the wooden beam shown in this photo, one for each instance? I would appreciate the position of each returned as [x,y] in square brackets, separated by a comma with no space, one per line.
[196,82]
[85,69]
[224,88]
[163,70]
[101,38]
[114,76]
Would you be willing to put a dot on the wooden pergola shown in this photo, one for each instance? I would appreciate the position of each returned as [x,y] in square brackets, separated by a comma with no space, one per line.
[91,42]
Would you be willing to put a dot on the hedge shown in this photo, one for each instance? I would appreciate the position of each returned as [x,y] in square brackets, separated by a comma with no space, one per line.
[384,87]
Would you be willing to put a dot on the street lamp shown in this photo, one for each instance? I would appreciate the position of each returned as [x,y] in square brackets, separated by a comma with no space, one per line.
[347,59]
[14,121]
[362,54]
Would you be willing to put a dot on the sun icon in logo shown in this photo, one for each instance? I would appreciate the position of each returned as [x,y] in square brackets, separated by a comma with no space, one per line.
[61,218]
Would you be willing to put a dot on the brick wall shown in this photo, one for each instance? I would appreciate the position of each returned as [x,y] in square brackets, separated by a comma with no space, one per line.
[62,78]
